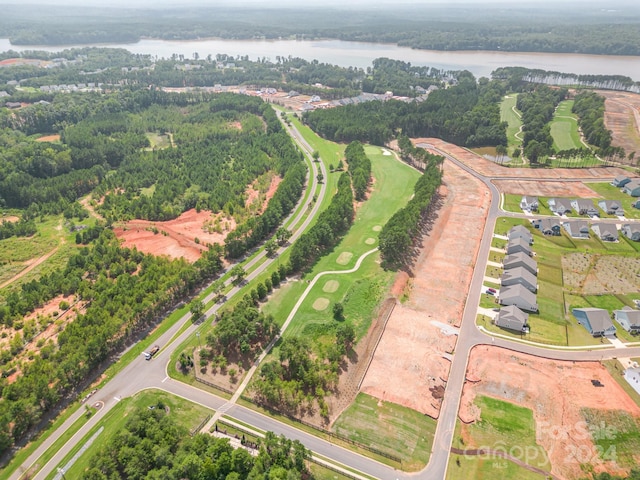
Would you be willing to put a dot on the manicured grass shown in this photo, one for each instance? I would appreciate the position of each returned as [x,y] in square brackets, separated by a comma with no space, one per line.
[502,426]
[363,290]
[564,128]
[513,120]
[554,324]
[390,428]
[610,192]
[616,434]
[187,414]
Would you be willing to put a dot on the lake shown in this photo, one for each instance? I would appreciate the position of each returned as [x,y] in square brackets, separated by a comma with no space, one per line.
[358,54]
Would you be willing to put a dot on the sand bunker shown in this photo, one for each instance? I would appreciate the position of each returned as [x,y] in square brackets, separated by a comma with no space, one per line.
[370,241]
[344,258]
[331,286]
[377,228]
[321,303]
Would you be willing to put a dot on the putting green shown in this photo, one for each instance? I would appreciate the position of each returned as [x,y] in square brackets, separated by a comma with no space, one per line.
[377,228]
[331,286]
[344,258]
[370,241]
[321,303]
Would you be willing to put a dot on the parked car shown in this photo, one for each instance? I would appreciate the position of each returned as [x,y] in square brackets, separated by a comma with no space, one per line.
[491,291]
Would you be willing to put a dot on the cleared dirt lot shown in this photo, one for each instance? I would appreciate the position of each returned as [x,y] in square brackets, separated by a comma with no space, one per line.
[622,117]
[491,169]
[175,238]
[555,391]
[542,188]
[408,367]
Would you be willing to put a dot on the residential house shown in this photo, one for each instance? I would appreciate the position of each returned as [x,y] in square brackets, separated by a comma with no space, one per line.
[582,206]
[518,245]
[620,181]
[577,228]
[632,375]
[519,276]
[520,231]
[529,204]
[632,188]
[559,206]
[518,296]
[548,226]
[13,105]
[636,204]
[628,318]
[595,320]
[3,93]
[611,207]
[520,259]
[512,318]
[632,231]
[607,232]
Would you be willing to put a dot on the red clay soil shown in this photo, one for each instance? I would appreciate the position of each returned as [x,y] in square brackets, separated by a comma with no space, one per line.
[555,391]
[178,240]
[49,138]
[622,117]
[546,189]
[408,367]
[491,169]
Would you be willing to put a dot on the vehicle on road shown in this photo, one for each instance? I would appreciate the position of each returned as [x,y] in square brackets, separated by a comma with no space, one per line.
[149,355]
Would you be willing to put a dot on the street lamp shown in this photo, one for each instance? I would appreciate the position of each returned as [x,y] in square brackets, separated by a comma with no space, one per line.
[198,335]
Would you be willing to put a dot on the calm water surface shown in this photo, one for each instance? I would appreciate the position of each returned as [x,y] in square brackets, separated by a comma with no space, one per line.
[357,54]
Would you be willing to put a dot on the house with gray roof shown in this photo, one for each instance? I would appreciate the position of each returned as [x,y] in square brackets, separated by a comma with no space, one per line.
[520,231]
[628,318]
[607,232]
[559,206]
[520,260]
[519,276]
[582,206]
[632,188]
[631,231]
[620,181]
[518,296]
[595,320]
[3,93]
[529,204]
[548,226]
[611,207]
[512,318]
[632,375]
[518,245]
[576,228]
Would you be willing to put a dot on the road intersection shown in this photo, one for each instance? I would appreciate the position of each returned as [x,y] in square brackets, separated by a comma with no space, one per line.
[141,375]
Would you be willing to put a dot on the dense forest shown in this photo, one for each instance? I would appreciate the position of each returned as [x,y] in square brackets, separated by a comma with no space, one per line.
[152,445]
[523,27]
[537,109]
[116,304]
[466,114]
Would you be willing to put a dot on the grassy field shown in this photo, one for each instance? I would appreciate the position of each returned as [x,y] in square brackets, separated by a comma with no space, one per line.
[53,236]
[508,115]
[504,426]
[390,428]
[616,435]
[564,128]
[186,414]
[363,290]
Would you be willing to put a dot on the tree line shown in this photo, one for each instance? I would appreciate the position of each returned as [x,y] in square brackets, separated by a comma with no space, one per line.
[399,234]
[153,445]
[465,114]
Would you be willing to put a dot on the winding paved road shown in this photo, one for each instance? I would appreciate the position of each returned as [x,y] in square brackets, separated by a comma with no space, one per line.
[140,374]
